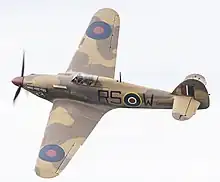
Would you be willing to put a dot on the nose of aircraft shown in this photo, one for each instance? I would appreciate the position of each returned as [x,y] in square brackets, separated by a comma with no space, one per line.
[17,81]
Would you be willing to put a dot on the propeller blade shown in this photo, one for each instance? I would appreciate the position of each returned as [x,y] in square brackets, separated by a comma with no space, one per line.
[22,75]
[16,94]
[23,61]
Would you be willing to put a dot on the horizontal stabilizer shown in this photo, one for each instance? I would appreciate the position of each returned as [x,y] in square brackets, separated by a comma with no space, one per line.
[184,107]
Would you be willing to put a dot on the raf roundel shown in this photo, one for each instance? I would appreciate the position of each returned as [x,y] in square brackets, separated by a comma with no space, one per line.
[132,100]
[51,153]
[99,30]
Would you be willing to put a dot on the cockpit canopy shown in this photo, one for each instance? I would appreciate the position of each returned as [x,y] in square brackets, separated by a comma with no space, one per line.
[84,79]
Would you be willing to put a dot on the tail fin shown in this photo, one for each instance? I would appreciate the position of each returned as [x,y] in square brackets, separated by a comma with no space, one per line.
[190,95]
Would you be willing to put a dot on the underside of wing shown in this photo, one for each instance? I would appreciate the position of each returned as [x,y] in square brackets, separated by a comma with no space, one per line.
[69,124]
[97,51]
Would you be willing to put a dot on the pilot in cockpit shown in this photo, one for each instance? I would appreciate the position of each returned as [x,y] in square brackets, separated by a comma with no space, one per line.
[80,80]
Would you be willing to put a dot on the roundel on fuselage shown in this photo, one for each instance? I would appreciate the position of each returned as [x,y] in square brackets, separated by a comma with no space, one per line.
[132,100]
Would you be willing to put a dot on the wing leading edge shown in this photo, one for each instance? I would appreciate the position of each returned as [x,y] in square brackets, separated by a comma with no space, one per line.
[69,125]
[97,50]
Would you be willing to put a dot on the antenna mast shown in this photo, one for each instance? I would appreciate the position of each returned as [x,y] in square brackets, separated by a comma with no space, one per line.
[119,76]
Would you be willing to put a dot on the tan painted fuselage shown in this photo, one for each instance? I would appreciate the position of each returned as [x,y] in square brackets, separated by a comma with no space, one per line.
[102,90]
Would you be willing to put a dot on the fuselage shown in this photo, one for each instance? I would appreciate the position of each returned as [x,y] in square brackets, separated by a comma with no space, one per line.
[96,90]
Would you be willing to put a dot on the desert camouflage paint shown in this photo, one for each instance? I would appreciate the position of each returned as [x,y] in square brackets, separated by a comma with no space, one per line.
[88,90]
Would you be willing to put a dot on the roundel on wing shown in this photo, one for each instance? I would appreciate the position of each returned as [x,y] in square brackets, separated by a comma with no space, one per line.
[52,153]
[99,30]
[132,100]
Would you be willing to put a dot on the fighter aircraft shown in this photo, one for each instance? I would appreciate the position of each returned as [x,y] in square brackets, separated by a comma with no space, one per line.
[87,90]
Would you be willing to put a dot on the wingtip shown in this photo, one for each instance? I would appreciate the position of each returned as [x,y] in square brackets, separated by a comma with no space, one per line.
[103,11]
[108,15]
[45,173]
[108,9]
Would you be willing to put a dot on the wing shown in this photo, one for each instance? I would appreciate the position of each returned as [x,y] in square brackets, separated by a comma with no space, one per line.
[69,124]
[97,51]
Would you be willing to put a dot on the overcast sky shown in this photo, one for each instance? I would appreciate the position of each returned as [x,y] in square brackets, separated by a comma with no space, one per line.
[160,43]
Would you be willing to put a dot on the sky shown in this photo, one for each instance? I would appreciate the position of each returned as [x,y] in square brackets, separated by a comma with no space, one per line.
[160,43]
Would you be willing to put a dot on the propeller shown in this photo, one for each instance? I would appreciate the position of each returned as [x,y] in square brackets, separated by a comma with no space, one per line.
[19,80]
